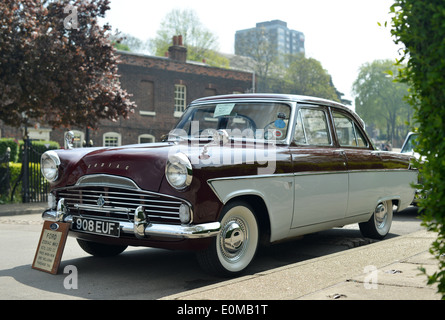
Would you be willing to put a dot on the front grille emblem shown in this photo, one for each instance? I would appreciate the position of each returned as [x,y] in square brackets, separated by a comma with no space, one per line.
[101,201]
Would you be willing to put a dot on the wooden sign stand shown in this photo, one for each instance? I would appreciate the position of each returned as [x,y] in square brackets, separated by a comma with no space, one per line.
[51,244]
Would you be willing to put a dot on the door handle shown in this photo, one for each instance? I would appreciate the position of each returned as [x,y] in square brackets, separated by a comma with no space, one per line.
[341,152]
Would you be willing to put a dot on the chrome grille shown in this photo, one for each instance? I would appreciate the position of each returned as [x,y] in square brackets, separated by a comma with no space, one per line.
[116,202]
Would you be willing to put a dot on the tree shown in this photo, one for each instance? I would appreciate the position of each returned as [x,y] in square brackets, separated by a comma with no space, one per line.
[201,44]
[306,76]
[127,42]
[380,100]
[419,25]
[57,64]
[258,46]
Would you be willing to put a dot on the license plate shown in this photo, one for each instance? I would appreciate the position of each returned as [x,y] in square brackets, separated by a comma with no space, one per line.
[102,227]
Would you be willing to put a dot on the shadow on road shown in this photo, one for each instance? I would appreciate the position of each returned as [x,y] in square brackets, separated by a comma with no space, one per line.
[145,273]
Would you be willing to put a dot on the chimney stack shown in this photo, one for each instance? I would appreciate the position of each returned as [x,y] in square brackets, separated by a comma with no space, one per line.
[177,51]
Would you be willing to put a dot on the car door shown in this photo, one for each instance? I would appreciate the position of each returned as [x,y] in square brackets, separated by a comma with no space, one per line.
[320,173]
[364,164]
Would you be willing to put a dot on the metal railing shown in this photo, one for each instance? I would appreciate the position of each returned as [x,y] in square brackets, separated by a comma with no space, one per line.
[34,186]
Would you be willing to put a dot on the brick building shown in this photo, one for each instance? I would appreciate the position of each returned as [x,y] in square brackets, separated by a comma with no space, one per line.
[162,87]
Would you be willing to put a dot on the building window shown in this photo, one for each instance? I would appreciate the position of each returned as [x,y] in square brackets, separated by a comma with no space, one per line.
[209,92]
[180,99]
[112,139]
[146,138]
[79,138]
[146,104]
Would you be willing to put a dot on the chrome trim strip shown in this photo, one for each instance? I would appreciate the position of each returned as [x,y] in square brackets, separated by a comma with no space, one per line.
[102,209]
[197,231]
[106,180]
[307,173]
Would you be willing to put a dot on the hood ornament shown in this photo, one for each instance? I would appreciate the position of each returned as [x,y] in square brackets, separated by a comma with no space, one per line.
[69,139]
[220,138]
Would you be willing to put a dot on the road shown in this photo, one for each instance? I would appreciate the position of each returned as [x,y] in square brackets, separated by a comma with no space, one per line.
[146,273]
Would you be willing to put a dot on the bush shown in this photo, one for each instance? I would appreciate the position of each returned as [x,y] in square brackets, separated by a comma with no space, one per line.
[13,144]
[39,147]
[14,169]
[419,25]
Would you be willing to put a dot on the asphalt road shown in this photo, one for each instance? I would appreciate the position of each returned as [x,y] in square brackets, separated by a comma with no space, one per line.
[145,273]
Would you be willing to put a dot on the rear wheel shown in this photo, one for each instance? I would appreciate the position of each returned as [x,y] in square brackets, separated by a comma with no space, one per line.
[380,223]
[232,250]
[99,249]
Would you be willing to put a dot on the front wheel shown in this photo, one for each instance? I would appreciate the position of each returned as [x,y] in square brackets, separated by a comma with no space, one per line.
[378,226]
[232,250]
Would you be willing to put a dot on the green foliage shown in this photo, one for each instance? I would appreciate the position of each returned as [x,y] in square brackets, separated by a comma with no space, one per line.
[14,174]
[39,147]
[14,169]
[380,100]
[420,26]
[13,145]
[201,44]
[120,46]
[306,76]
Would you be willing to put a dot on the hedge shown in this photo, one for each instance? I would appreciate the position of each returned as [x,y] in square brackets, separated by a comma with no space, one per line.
[420,26]
[13,144]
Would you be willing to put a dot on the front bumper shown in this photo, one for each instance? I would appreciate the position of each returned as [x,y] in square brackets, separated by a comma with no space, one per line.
[141,227]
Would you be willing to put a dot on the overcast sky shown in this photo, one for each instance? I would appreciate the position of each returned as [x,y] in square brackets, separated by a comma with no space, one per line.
[341,34]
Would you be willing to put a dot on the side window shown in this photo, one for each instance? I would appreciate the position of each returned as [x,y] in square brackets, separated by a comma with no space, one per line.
[347,132]
[312,127]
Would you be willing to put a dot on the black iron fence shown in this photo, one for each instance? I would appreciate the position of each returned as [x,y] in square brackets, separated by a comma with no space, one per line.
[34,187]
[5,173]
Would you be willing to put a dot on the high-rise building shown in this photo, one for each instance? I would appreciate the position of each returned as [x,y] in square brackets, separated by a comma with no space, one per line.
[281,39]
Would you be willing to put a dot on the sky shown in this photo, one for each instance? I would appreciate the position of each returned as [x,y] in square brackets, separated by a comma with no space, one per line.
[341,34]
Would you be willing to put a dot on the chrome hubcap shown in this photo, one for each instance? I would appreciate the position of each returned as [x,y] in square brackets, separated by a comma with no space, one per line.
[380,215]
[233,239]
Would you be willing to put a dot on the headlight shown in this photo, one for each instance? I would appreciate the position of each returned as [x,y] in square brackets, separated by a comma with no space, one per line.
[49,165]
[178,171]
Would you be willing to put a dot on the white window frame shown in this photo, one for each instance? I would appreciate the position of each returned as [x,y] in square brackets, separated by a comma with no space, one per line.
[180,99]
[147,136]
[79,138]
[112,135]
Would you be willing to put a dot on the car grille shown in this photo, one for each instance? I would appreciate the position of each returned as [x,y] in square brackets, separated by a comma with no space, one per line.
[119,203]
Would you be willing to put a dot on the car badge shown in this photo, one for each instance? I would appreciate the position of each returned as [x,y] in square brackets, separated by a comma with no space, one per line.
[54,226]
[101,201]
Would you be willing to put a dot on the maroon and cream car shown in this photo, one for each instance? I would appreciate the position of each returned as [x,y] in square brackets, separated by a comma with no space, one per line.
[237,171]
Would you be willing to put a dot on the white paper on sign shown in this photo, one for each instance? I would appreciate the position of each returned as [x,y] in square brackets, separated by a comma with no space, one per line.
[224,109]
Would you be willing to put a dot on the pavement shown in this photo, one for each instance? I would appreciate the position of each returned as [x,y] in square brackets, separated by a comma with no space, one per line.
[384,270]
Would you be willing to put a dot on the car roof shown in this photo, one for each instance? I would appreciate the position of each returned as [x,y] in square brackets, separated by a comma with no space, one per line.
[275,96]
[278,97]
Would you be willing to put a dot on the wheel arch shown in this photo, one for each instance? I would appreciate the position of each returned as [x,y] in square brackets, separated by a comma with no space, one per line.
[261,213]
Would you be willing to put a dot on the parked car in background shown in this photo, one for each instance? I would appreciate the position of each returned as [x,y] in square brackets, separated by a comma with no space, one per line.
[236,171]
[409,144]
[408,148]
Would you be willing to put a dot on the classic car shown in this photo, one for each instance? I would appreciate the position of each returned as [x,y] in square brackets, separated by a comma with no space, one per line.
[236,172]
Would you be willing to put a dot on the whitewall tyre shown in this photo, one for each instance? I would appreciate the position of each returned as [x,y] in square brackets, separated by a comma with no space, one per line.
[235,246]
[380,223]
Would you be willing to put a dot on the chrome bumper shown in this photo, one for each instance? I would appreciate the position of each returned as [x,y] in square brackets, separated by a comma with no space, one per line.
[141,227]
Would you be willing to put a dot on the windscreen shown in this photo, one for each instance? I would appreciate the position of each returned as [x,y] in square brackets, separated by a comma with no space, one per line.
[261,121]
